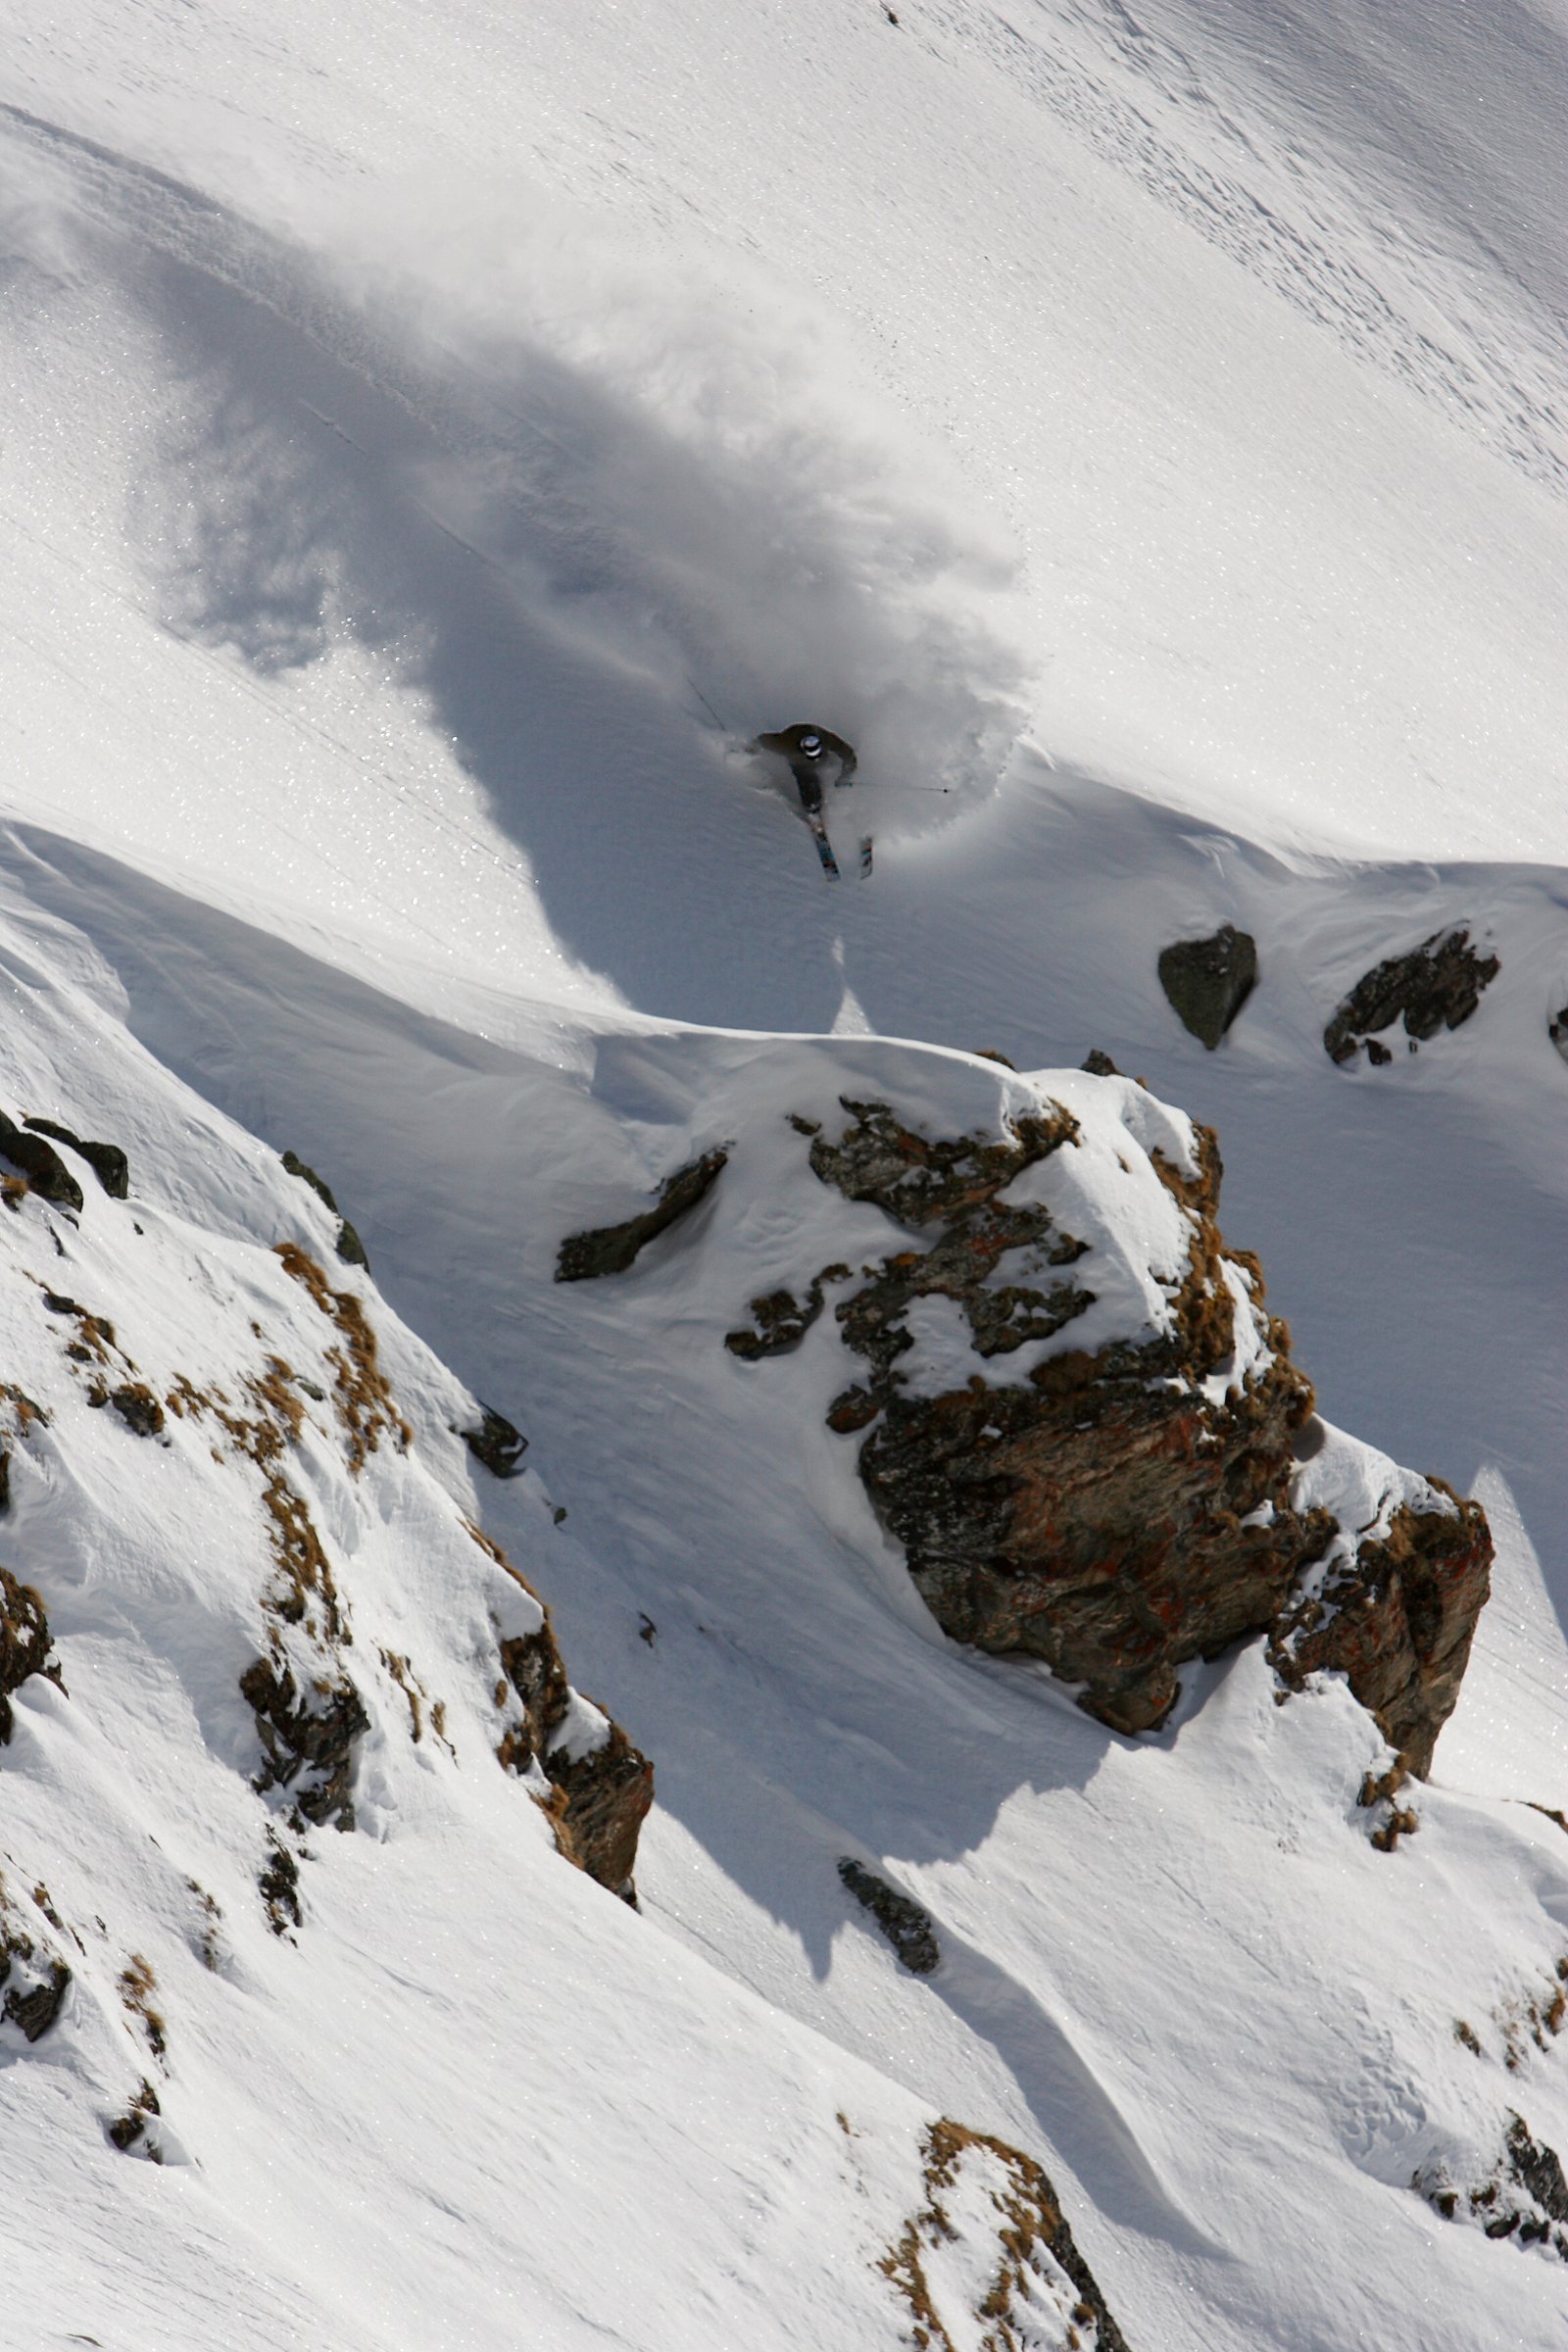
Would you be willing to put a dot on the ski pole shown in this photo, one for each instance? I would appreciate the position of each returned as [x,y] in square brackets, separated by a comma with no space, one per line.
[707,705]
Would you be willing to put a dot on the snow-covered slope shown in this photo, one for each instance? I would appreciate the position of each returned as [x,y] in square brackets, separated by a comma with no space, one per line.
[430,440]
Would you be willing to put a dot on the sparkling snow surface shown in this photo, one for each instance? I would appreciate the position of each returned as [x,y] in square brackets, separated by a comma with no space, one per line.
[432,439]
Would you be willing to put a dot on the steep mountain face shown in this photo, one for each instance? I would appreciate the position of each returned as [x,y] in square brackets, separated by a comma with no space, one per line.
[1121,1509]
[258,1624]
[1101,1816]
[298,1412]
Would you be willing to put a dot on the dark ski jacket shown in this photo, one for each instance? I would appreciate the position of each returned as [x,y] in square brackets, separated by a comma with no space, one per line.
[806,766]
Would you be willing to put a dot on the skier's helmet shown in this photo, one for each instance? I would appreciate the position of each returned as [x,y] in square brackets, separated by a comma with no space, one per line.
[811,745]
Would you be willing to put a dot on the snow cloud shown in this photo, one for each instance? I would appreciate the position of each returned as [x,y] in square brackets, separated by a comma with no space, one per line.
[690,472]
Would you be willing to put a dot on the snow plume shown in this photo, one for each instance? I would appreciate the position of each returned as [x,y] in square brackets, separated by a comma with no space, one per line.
[688,474]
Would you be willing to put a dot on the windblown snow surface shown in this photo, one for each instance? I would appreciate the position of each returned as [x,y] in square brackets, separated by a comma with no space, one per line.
[433,438]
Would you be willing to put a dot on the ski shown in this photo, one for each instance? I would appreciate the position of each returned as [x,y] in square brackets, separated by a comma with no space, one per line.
[866,852]
[824,847]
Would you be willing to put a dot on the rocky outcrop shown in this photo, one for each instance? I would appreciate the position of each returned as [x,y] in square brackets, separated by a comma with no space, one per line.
[905,1924]
[953,1185]
[139,1408]
[33,1978]
[602,1788]
[1105,1514]
[1208,980]
[24,1645]
[1523,2198]
[602,1800]
[350,1247]
[307,1737]
[1018,2281]
[107,1160]
[496,1442]
[1436,986]
[33,2005]
[614,1248]
[40,1164]
[1120,1510]
[1396,1617]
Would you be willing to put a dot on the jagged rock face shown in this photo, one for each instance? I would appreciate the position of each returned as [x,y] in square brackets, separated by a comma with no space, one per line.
[1092,1515]
[604,1800]
[1119,1511]
[1437,986]
[601,1795]
[1097,1524]
[1207,981]
[1397,1618]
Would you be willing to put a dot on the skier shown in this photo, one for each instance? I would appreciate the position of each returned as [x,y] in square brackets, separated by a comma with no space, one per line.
[806,749]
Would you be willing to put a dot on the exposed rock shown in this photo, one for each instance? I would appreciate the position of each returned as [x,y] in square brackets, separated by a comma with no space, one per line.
[1027,2284]
[40,1163]
[496,1442]
[613,1248]
[35,2010]
[604,1799]
[1098,1064]
[33,1980]
[1436,986]
[905,1924]
[278,1885]
[782,1320]
[1396,1617]
[1121,1511]
[537,1673]
[24,1645]
[139,1408]
[107,1160]
[1208,980]
[1525,2199]
[1557,1031]
[350,1247]
[919,1180]
[1538,2170]
[1091,1516]
[127,2129]
[307,1737]
[600,1799]
[955,1183]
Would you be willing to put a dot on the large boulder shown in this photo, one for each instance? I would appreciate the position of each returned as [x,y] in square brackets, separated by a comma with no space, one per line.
[39,1165]
[1208,980]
